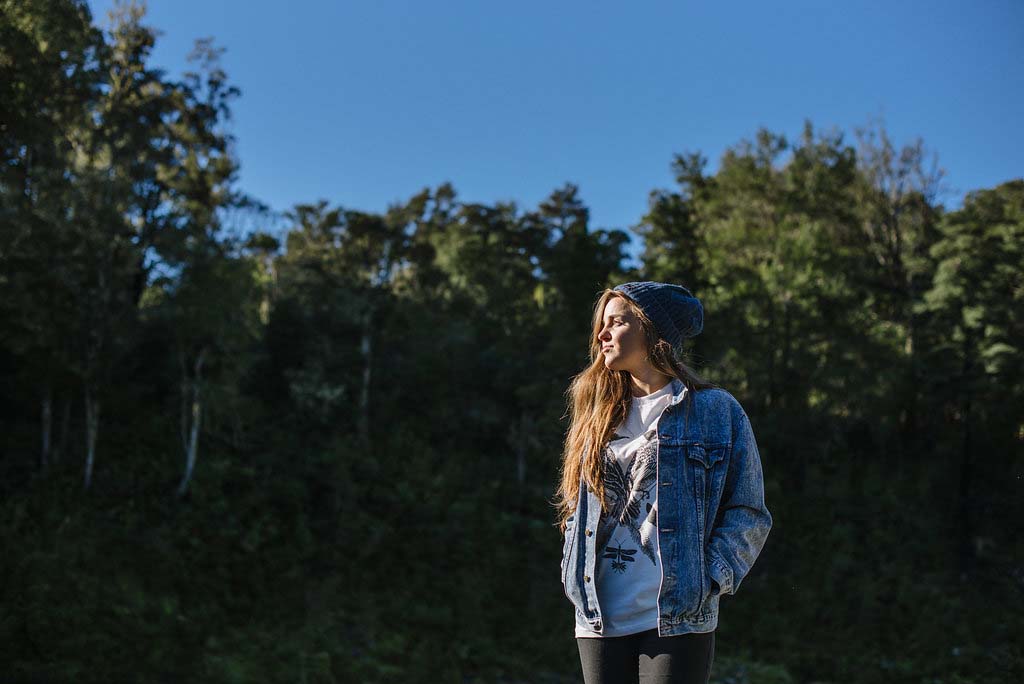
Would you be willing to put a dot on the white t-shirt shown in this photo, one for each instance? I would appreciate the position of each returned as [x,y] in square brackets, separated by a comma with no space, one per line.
[628,577]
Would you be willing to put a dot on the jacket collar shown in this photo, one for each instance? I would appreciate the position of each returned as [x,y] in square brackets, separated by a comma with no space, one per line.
[678,391]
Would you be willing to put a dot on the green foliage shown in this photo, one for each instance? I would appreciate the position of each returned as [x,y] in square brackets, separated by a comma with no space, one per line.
[379,409]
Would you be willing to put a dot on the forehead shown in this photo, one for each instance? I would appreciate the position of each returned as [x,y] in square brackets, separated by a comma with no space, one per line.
[615,306]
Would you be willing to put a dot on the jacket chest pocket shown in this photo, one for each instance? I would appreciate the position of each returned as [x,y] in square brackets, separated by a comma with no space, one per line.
[706,466]
[706,455]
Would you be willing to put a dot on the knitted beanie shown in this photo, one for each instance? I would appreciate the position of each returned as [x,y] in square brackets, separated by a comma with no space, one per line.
[673,309]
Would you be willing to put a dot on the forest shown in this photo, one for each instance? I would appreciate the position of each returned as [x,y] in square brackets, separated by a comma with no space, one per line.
[321,445]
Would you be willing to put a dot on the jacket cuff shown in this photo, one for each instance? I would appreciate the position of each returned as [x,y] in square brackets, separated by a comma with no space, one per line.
[719,571]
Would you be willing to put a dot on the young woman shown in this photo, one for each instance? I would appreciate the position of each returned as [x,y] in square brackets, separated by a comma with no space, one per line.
[662,496]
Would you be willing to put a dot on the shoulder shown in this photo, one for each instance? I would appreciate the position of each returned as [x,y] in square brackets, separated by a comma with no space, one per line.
[718,400]
[721,413]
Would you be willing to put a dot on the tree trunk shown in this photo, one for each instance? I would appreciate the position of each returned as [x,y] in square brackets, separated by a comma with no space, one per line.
[366,347]
[196,412]
[92,422]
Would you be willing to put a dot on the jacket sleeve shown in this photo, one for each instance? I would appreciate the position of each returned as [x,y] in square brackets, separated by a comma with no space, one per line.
[743,520]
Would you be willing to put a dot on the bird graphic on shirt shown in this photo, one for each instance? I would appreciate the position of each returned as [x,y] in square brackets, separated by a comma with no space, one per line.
[625,493]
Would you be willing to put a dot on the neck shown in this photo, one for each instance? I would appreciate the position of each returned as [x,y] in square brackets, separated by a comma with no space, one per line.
[647,381]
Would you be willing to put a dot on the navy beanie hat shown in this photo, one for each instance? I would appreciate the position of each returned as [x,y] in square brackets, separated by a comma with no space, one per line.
[673,309]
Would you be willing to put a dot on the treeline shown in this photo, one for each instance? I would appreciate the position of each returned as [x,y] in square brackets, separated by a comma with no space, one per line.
[320,446]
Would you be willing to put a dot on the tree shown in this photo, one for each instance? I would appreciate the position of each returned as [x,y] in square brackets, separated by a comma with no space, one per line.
[207,295]
[897,200]
[50,76]
[977,298]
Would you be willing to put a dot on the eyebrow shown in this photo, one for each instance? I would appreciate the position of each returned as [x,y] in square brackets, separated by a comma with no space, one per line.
[615,315]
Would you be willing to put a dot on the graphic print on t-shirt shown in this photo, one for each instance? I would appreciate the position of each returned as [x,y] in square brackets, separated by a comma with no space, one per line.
[627,493]
[619,556]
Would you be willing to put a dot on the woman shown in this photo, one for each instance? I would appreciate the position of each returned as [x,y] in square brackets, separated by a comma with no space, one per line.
[668,513]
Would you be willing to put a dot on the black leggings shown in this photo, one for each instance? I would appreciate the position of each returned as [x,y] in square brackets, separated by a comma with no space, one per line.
[646,658]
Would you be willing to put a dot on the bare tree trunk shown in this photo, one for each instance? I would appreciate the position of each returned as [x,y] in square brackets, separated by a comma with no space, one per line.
[92,422]
[47,427]
[366,347]
[192,445]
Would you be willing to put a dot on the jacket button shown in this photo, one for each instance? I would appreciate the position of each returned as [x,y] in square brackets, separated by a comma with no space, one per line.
[590,532]
[586,578]
[664,435]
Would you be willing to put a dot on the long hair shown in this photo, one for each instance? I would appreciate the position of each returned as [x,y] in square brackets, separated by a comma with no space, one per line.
[599,399]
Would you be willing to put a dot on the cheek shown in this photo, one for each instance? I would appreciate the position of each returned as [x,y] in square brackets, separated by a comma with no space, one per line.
[631,340]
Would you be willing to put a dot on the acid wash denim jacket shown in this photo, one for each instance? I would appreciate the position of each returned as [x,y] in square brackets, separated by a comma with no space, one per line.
[712,520]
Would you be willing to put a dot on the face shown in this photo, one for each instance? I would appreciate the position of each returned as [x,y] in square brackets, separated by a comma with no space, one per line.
[622,338]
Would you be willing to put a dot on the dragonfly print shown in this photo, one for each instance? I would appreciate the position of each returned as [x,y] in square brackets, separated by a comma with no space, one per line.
[619,557]
[626,493]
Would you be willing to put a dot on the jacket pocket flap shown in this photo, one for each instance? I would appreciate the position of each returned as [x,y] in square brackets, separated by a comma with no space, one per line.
[707,454]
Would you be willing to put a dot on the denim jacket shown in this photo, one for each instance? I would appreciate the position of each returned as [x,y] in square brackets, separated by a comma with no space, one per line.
[712,519]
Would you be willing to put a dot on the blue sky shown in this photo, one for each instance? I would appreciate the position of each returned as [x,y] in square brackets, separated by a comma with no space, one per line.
[365,103]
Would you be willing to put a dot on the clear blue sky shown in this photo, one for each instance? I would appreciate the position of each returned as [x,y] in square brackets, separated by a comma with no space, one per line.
[365,103]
